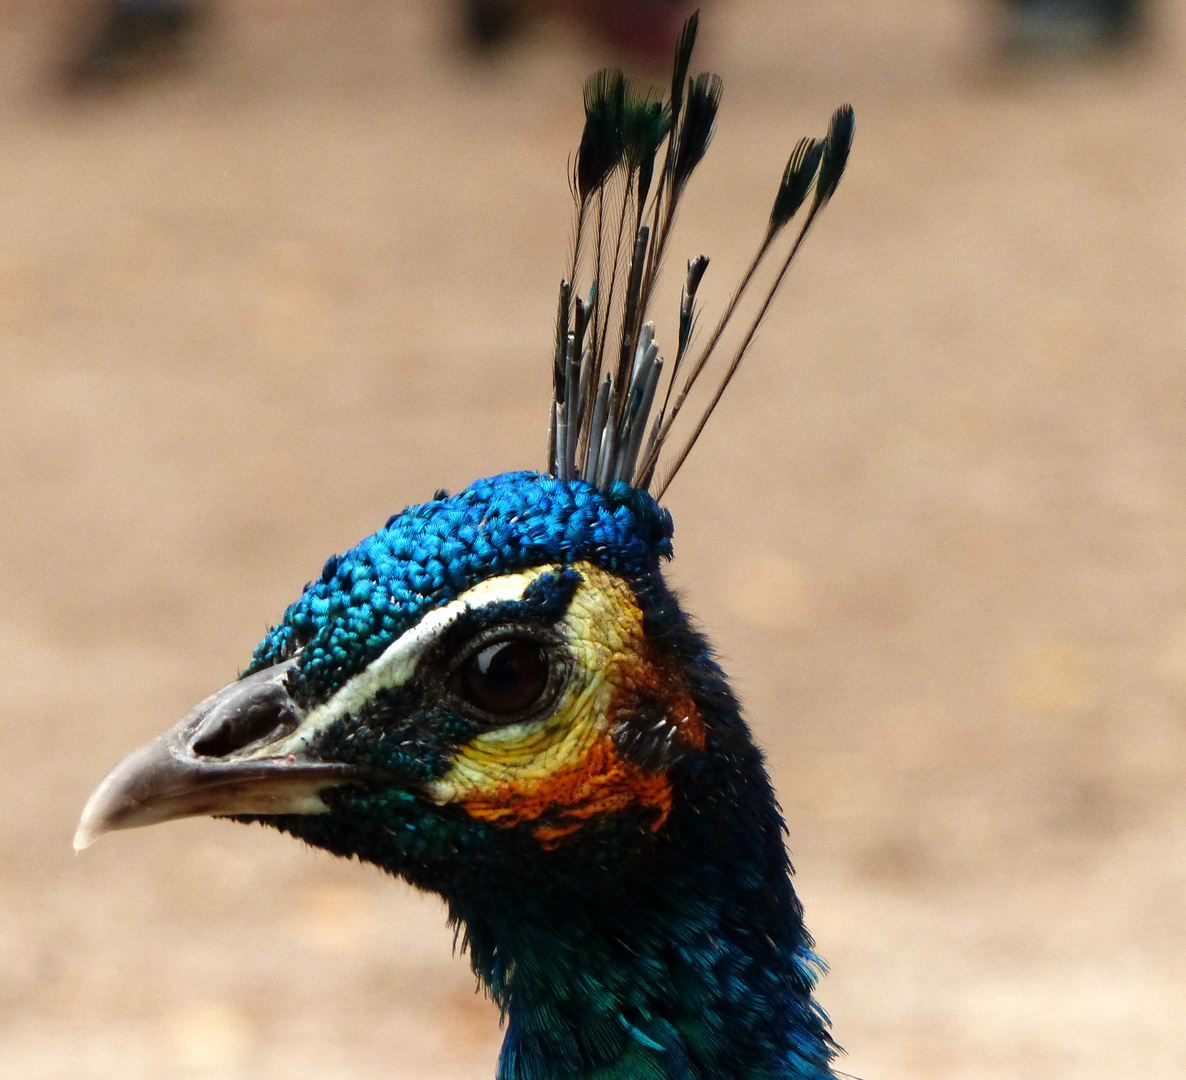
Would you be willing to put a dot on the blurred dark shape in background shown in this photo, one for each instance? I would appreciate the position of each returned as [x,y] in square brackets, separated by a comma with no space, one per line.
[486,24]
[127,38]
[644,30]
[1072,29]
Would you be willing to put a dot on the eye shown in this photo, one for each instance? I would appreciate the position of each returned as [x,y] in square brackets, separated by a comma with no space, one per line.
[504,678]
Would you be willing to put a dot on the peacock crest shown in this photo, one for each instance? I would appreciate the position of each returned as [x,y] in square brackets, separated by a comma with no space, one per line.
[616,400]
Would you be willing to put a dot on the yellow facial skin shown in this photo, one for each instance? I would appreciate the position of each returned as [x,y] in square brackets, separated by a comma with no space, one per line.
[563,769]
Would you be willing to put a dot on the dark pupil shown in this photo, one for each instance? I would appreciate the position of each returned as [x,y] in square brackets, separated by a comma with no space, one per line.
[505,677]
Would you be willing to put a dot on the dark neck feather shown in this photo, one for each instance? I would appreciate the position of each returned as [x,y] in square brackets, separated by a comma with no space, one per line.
[691,962]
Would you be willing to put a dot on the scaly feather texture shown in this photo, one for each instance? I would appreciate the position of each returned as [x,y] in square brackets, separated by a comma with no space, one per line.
[497,697]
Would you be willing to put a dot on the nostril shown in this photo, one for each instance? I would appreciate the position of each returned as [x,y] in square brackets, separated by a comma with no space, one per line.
[233,727]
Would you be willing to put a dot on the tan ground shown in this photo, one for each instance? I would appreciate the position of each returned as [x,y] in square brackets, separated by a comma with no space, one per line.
[938,530]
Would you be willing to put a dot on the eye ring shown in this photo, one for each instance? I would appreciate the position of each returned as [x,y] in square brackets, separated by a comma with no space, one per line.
[508,675]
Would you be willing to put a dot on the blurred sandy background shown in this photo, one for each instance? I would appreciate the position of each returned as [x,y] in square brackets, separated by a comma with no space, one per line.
[938,529]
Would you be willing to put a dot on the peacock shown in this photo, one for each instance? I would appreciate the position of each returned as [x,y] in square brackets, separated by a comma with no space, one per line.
[497,697]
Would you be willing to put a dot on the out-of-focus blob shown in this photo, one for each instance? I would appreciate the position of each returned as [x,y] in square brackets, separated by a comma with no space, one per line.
[1040,30]
[125,39]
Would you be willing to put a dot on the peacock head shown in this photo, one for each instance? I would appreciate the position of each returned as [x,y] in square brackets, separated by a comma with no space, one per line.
[505,665]
[489,676]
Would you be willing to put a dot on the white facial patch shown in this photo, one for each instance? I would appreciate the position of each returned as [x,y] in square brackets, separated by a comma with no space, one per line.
[395,667]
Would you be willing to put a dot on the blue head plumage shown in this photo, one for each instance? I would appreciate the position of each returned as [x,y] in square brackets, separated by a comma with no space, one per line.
[431,553]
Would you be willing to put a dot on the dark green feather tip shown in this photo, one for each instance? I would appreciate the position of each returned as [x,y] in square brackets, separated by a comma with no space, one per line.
[645,123]
[837,145]
[695,133]
[601,148]
[683,57]
[796,182]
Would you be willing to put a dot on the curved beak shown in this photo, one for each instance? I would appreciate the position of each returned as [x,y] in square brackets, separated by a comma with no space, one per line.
[233,754]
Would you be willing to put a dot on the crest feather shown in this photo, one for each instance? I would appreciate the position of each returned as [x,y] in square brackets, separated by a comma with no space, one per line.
[605,426]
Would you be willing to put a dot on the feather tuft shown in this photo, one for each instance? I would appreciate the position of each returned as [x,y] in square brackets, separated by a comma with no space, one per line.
[608,374]
[683,57]
[601,146]
[704,99]
[796,183]
[645,123]
[836,149]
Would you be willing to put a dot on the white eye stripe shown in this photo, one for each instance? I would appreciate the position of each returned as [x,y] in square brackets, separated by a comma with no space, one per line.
[395,667]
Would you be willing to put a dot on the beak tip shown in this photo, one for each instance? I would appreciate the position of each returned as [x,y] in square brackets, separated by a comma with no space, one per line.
[95,820]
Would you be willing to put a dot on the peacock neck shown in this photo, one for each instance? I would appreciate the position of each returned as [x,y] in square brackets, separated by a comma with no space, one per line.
[692,963]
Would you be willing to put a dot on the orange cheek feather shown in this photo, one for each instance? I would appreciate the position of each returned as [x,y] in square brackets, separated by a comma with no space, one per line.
[599,783]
